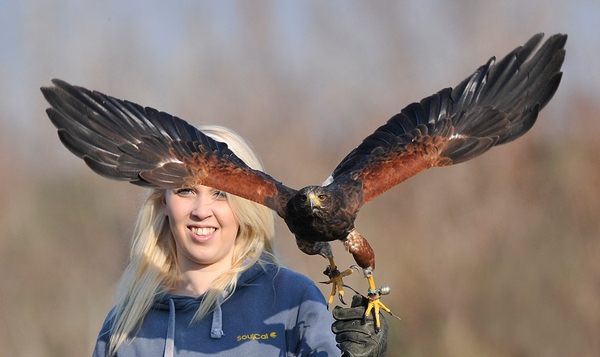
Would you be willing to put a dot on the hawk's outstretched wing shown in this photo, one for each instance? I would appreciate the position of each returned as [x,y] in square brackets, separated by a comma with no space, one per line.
[496,104]
[124,141]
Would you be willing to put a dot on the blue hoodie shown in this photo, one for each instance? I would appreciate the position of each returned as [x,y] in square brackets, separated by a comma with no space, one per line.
[273,312]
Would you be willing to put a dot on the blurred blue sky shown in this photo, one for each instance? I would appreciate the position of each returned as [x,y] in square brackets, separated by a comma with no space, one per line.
[311,47]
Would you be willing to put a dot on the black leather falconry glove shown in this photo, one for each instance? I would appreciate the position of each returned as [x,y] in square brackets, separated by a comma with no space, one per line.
[355,338]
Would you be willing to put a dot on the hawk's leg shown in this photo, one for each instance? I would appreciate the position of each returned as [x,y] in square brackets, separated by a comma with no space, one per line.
[365,257]
[336,279]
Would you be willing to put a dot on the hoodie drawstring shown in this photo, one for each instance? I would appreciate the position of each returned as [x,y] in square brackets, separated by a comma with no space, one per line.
[216,330]
[170,340]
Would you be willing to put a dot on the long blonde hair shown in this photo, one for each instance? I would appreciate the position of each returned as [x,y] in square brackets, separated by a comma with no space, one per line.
[153,270]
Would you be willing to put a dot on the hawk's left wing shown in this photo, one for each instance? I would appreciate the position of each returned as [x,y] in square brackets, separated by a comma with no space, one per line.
[124,141]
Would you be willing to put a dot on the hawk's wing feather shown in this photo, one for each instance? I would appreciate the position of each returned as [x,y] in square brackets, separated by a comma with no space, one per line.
[125,141]
[498,103]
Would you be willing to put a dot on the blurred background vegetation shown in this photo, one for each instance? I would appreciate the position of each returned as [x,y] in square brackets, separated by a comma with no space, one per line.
[495,257]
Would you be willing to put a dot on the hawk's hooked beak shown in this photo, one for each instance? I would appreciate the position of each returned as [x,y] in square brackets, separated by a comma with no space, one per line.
[314,201]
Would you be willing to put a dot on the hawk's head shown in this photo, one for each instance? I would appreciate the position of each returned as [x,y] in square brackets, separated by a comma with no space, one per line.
[320,213]
[318,201]
[315,197]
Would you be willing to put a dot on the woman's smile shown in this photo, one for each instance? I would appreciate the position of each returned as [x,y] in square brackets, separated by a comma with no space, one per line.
[202,234]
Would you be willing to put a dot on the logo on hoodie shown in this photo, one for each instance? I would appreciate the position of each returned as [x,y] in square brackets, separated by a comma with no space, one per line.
[257,336]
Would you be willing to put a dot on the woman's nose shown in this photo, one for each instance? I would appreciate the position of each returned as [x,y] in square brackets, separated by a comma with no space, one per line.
[202,208]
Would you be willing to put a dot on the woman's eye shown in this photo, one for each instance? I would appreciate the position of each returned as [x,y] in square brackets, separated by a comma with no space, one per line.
[184,191]
[220,195]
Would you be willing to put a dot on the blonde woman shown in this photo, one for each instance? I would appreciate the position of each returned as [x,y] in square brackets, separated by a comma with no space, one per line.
[203,277]
[204,280]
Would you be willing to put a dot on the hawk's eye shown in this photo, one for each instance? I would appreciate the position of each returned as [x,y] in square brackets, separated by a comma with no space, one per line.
[322,197]
[303,197]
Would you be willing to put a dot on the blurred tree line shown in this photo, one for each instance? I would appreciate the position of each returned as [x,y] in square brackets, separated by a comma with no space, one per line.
[495,257]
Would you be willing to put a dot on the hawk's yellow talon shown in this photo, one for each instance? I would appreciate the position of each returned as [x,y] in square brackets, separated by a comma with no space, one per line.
[374,306]
[336,279]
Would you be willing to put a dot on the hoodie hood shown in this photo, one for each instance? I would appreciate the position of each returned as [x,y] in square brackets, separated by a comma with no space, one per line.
[184,303]
[178,303]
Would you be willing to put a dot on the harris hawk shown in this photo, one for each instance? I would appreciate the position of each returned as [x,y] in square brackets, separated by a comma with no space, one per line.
[498,103]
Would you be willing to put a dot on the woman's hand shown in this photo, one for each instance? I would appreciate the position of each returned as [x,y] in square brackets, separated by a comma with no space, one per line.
[356,337]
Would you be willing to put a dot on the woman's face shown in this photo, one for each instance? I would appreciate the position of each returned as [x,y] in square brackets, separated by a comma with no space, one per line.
[203,225]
